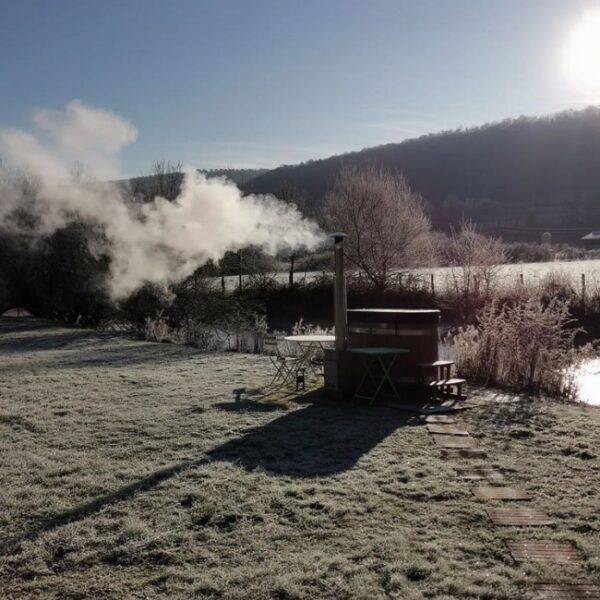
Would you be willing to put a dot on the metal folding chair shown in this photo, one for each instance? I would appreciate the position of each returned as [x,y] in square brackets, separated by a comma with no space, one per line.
[287,371]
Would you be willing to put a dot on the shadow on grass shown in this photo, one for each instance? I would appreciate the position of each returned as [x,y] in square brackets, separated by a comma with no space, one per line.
[246,394]
[82,350]
[250,406]
[88,346]
[70,335]
[321,438]
[520,410]
[96,505]
[520,413]
[244,400]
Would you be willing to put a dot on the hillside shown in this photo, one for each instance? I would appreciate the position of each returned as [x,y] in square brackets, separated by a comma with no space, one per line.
[238,176]
[167,183]
[522,173]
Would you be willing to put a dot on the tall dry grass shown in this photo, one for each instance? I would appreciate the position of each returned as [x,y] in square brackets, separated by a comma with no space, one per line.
[528,345]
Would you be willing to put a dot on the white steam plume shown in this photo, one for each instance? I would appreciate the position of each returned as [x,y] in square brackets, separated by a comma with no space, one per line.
[158,241]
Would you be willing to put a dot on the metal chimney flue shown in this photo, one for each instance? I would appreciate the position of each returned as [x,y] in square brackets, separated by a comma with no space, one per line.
[339,291]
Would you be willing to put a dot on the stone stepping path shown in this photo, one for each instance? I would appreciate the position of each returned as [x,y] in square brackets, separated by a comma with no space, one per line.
[543,551]
[457,443]
[489,492]
[446,428]
[418,408]
[479,472]
[439,419]
[463,453]
[566,591]
[522,516]
[454,441]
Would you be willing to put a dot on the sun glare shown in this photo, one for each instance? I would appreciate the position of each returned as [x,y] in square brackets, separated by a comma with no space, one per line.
[581,57]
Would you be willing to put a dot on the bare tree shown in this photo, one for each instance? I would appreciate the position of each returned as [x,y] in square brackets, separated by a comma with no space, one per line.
[164,180]
[476,261]
[387,226]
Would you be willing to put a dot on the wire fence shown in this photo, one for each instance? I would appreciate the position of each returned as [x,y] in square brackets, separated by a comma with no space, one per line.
[583,276]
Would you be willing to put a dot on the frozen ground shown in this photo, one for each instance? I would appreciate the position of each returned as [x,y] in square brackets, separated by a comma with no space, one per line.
[138,470]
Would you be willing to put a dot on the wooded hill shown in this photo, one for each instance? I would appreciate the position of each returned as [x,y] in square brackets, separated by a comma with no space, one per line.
[526,173]
[238,176]
[166,179]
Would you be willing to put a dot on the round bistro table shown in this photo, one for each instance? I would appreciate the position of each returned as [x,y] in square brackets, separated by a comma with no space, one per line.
[308,344]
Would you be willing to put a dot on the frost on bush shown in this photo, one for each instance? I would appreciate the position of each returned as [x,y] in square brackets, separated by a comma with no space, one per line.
[558,284]
[157,329]
[302,328]
[475,262]
[242,335]
[525,346]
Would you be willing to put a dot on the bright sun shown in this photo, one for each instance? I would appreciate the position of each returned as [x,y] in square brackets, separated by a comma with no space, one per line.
[581,57]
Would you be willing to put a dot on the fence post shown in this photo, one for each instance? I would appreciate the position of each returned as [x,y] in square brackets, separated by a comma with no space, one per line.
[432,285]
[521,279]
[583,290]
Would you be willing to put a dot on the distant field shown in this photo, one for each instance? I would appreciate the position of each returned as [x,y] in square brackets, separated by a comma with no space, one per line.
[139,470]
[509,274]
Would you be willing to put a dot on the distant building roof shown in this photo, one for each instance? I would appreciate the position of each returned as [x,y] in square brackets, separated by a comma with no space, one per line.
[595,235]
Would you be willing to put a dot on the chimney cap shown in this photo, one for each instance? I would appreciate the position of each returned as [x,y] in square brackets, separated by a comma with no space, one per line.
[338,236]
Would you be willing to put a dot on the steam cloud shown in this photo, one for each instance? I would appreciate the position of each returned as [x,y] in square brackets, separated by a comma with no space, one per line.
[158,241]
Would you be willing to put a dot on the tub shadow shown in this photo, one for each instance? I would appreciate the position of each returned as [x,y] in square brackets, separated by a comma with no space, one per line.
[320,439]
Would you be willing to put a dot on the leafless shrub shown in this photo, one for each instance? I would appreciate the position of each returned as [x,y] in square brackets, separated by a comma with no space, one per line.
[527,346]
[475,261]
[199,335]
[557,284]
[290,348]
[302,328]
[164,180]
[241,336]
[156,329]
[116,324]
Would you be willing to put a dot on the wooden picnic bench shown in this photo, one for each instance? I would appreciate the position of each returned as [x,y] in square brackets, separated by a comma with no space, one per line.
[438,382]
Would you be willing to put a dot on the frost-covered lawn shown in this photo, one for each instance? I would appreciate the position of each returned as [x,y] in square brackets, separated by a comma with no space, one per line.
[138,470]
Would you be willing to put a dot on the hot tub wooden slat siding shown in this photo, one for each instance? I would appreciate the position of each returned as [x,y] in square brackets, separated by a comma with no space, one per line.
[416,330]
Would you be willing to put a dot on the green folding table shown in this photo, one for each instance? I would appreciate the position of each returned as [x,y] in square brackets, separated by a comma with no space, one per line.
[378,365]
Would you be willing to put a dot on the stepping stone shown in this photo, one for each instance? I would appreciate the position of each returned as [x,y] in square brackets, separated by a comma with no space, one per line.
[454,441]
[566,591]
[439,419]
[522,516]
[425,409]
[543,551]
[490,492]
[479,472]
[447,429]
[463,453]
